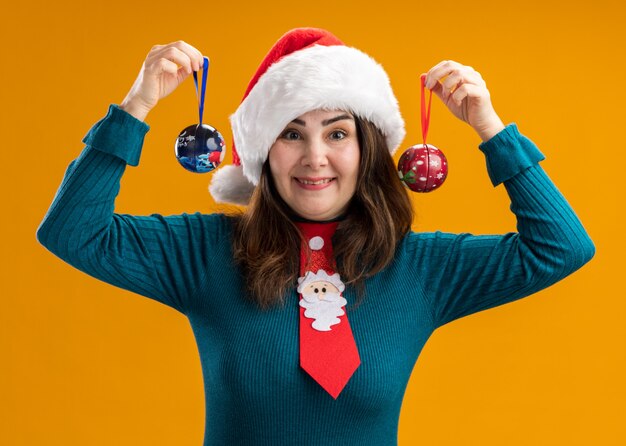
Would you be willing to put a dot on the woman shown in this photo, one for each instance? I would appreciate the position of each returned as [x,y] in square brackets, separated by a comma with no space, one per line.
[327,224]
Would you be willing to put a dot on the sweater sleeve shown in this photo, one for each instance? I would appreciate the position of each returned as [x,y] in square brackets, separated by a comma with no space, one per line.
[461,274]
[155,256]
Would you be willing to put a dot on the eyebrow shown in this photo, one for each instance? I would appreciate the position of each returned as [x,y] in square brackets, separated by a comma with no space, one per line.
[326,122]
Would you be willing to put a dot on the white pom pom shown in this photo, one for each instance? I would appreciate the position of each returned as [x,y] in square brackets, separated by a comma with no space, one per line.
[316,243]
[229,185]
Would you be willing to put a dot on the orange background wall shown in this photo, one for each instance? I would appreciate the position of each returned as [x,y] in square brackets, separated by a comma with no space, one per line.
[84,363]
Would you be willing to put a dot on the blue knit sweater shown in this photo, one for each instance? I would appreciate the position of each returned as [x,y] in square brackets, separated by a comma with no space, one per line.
[255,391]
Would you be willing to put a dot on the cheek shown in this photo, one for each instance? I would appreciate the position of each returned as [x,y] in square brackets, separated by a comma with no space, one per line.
[281,163]
[277,164]
[349,164]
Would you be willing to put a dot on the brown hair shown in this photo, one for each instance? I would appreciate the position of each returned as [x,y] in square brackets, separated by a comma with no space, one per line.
[266,242]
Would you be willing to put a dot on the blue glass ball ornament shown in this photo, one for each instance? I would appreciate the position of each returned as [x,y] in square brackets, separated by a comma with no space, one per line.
[199,148]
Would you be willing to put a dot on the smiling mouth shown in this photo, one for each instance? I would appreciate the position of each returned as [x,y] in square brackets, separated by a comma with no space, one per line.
[314,182]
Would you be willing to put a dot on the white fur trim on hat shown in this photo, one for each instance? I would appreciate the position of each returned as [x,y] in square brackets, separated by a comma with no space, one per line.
[229,185]
[319,77]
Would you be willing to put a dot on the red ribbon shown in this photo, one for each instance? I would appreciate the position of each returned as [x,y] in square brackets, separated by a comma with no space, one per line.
[425,113]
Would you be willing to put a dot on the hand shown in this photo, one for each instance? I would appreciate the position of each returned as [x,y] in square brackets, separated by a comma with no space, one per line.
[164,69]
[465,94]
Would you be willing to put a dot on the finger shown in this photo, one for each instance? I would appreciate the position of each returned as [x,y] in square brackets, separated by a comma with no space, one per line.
[429,82]
[461,93]
[180,57]
[468,90]
[455,74]
[440,92]
[453,80]
[450,74]
[154,49]
[175,55]
[165,66]
[464,75]
[439,71]
[194,54]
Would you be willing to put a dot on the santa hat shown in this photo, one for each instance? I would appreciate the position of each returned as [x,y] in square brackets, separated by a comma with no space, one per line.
[307,69]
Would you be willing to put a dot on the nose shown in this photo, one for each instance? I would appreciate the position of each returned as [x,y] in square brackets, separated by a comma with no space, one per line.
[315,153]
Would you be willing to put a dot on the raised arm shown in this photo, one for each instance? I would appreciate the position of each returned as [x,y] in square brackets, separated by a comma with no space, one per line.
[461,274]
[163,258]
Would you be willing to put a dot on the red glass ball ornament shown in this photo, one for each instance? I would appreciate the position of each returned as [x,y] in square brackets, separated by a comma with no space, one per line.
[423,168]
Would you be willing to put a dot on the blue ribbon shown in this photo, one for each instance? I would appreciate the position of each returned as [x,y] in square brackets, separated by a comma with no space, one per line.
[205,70]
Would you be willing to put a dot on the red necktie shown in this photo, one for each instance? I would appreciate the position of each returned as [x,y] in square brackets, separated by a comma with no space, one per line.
[327,349]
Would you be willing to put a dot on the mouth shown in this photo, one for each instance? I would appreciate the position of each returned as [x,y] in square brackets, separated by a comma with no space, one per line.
[314,180]
[314,183]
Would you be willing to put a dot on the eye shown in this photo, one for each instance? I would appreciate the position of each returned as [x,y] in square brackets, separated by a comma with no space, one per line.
[323,290]
[339,132]
[316,290]
[287,135]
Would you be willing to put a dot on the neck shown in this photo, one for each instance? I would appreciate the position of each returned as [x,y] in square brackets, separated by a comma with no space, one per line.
[299,219]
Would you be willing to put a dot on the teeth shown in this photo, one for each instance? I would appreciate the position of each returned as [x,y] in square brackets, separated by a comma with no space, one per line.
[327,180]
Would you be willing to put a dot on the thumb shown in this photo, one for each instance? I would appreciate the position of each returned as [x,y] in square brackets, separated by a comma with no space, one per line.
[439,91]
[181,75]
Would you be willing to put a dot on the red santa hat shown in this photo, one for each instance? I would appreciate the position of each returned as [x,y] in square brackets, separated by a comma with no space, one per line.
[307,69]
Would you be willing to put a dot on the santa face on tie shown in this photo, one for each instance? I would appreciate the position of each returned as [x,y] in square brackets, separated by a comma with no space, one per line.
[321,298]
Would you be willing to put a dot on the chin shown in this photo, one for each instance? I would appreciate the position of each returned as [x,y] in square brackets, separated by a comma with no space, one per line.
[316,216]
[319,214]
